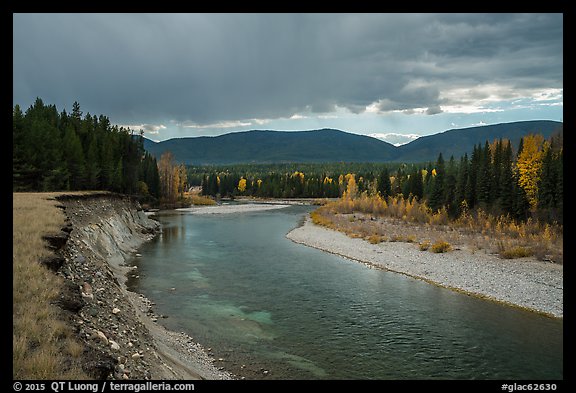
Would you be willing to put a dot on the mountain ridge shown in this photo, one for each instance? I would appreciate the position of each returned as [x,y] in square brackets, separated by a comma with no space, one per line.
[331,145]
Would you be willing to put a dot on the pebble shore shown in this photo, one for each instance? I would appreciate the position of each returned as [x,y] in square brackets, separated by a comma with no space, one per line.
[525,282]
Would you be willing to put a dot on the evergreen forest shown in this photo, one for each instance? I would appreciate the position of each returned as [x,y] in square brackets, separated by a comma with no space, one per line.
[61,151]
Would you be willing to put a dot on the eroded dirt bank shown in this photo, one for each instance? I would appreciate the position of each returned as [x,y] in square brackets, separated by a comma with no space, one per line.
[118,327]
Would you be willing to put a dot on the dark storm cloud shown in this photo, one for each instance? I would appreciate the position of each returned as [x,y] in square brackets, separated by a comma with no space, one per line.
[207,68]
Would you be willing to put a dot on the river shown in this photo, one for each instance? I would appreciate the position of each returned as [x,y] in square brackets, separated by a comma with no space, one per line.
[270,308]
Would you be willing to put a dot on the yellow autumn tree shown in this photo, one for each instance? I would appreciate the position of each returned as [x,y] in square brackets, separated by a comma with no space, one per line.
[166,173]
[352,187]
[300,175]
[529,166]
[175,184]
[173,178]
[182,179]
[242,185]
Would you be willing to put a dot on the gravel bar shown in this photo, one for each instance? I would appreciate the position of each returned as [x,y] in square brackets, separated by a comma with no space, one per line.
[524,282]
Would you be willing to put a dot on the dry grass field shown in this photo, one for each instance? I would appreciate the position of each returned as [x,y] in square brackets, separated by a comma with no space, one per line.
[43,345]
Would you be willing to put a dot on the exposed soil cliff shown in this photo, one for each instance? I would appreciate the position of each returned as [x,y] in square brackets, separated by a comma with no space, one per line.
[118,327]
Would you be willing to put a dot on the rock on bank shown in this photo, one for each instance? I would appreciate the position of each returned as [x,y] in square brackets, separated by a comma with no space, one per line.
[121,340]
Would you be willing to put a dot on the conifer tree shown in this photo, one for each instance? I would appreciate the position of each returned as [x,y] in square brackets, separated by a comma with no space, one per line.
[450,188]
[461,182]
[506,182]
[384,186]
[436,200]
[74,156]
[484,177]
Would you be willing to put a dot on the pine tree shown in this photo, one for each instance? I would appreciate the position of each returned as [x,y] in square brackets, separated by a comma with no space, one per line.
[547,181]
[204,185]
[471,195]
[461,182]
[152,178]
[427,180]
[521,207]
[107,162]
[384,186]
[213,186]
[92,165]
[436,200]
[450,188]
[550,193]
[75,160]
[496,149]
[22,170]
[484,177]
[116,184]
[506,182]
[560,185]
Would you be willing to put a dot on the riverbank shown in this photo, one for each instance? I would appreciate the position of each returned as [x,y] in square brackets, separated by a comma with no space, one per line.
[525,282]
[107,232]
[116,329]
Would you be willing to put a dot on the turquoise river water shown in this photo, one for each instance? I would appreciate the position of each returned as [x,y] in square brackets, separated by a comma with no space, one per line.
[274,309]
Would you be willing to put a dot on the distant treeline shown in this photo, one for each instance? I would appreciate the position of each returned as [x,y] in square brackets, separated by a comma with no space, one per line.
[288,180]
[521,184]
[63,151]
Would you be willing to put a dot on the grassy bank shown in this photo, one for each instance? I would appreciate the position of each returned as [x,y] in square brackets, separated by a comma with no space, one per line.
[43,345]
[399,219]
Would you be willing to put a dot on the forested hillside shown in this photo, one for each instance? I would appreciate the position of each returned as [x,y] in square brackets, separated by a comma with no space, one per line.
[315,146]
[328,145]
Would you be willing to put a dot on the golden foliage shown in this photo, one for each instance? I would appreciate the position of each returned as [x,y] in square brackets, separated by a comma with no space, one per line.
[516,252]
[242,185]
[375,239]
[545,240]
[200,200]
[440,247]
[299,175]
[173,178]
[529,166]
[351,187]
[425,245]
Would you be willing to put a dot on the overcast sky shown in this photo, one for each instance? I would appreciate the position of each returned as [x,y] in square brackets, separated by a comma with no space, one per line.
[395,75]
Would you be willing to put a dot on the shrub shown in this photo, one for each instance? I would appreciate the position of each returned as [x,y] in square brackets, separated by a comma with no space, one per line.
[516,252]
[375,239]
[425,245]
[441,246]
[199,200]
